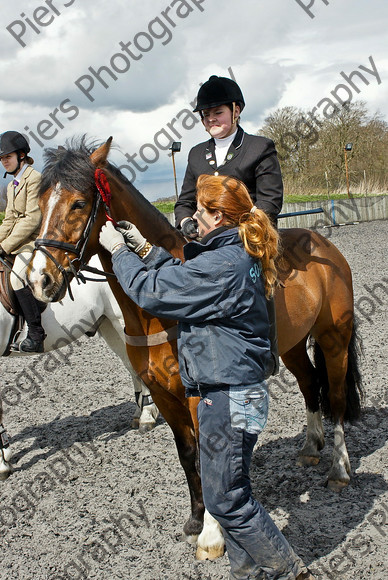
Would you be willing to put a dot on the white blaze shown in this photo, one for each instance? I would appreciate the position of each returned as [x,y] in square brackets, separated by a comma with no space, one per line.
[39,261]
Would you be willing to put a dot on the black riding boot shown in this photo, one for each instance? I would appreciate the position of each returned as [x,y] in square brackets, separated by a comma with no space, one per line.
[273,369]
[30,307]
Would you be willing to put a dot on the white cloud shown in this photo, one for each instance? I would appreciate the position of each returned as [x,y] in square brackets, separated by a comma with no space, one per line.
[278,54]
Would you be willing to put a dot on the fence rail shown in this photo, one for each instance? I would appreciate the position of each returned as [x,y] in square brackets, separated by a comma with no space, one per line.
[332,212]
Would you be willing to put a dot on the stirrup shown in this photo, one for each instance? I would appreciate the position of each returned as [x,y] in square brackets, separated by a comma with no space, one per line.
[28,345]
[4,437]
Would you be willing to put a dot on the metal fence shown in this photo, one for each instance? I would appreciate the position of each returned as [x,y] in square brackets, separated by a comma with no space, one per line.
[330,212]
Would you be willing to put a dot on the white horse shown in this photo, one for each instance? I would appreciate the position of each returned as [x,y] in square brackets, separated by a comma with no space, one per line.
[94,310]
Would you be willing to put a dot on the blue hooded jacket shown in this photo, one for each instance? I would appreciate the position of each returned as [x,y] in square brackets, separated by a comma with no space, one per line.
[218,297]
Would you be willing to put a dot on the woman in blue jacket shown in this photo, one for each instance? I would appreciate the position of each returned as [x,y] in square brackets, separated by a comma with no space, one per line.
[218,295]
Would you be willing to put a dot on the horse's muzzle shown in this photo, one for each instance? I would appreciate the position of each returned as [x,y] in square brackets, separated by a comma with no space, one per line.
[47,289]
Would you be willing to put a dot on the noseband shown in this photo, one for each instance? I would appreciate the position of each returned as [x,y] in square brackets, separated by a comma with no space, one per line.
[78,249]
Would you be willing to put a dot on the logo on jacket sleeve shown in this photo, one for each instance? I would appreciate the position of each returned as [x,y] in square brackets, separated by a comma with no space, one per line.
[255,272]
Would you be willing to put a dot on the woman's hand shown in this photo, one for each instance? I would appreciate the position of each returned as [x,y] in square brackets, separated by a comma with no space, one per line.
[110,238]
[189,228]
[133,238]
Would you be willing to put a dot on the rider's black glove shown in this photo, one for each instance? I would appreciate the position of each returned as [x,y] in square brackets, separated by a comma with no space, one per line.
[190,229]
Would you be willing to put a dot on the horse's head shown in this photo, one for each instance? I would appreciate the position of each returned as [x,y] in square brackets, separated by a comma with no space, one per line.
[72,216]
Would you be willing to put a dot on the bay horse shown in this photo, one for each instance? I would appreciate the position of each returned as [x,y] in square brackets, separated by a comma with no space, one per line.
[314,300]
[94,310]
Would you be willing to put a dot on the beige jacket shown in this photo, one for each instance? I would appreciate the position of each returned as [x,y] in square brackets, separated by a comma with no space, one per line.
[22,219]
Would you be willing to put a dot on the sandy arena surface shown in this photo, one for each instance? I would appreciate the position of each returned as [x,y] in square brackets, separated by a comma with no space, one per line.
[92,498]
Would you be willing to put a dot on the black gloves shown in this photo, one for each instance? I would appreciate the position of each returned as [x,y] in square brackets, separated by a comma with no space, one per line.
[190,228]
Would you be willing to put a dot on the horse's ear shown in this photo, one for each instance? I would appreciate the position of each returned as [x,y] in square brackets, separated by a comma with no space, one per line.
[100,155]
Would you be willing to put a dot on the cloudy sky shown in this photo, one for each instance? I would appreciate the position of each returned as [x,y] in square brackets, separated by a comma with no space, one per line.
[131,68]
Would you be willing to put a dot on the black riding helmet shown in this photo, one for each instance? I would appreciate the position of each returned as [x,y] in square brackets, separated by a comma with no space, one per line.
[11,142]
[219,91]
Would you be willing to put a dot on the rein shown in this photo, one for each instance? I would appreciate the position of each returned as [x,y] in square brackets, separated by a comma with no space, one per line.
[41,244]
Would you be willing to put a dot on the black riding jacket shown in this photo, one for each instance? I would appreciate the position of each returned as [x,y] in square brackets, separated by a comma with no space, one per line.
[250,158]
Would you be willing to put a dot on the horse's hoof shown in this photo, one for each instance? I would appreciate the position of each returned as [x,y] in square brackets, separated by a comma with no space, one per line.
[145,427]
[7,454]
[336,485]
[191,539]
[307,460]
[135,423]
[210,553]
[192,529]
[5,472]
[211,541]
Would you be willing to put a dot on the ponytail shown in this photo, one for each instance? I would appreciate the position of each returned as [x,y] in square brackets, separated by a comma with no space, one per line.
[260,240]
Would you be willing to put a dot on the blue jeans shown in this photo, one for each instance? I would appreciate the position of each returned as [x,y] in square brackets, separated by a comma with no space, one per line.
[230,420]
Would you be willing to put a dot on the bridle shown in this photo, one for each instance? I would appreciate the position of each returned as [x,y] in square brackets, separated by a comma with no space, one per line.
[41,244]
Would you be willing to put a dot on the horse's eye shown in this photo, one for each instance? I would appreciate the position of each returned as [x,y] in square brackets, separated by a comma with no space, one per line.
[78,204]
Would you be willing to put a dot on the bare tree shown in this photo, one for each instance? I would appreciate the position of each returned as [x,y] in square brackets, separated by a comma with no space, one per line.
[311,153]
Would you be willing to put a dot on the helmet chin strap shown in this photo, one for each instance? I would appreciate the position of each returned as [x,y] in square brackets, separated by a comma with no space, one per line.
[235,117]
[16,171]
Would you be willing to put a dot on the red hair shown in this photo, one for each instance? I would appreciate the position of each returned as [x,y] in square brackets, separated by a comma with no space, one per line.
[230,197]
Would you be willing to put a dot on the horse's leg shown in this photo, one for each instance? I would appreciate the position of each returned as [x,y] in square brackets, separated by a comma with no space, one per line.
[5,450]
[146,412]
[298,363]
[180,419]
[334,346]
[210,542]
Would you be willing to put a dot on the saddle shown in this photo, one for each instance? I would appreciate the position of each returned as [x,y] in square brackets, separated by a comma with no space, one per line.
[7,295]
[8,300]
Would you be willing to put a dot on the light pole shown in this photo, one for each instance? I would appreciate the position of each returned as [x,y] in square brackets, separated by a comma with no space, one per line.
[175,148]
[348,147]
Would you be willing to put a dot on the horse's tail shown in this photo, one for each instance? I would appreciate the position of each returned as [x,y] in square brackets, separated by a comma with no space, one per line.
[354,390]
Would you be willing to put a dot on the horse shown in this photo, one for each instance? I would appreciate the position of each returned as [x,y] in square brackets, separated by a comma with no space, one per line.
[94,310]
[314,300]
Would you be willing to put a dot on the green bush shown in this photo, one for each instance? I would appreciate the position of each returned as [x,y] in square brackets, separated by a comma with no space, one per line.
[164,206]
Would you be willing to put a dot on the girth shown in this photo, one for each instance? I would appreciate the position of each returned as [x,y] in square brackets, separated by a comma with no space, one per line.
[153,339]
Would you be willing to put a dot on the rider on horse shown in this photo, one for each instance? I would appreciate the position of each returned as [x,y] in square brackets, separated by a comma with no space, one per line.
[20,228]
[231,152]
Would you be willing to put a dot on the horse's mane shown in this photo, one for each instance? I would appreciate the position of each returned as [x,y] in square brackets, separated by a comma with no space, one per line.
[71,166]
